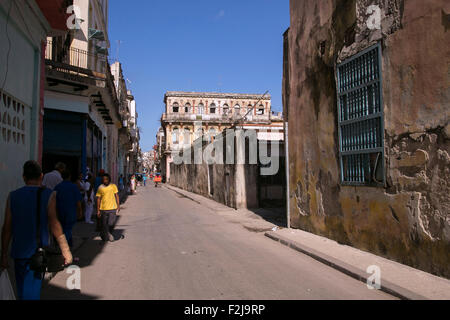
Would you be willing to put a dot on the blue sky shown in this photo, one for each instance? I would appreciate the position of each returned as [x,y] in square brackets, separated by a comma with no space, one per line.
[197,45]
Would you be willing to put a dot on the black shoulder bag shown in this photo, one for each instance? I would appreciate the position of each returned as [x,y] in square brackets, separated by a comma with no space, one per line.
[46,259]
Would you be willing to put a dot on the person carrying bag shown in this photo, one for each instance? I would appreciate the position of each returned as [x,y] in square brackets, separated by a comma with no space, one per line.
[49,258]
[30,217]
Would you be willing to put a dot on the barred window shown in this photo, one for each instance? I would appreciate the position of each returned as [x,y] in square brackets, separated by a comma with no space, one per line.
[361,123]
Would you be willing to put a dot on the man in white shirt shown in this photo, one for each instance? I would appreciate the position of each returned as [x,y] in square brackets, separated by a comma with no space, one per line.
[52,179]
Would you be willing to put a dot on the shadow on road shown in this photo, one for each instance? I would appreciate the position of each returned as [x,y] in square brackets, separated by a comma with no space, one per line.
[52,292]
[277,216]
[88,252]
[89,247]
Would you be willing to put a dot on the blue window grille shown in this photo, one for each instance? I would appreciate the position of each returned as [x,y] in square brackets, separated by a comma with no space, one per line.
[361,119]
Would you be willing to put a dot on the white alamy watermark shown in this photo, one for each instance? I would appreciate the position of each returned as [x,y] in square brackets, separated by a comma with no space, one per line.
[233,146]
[74,20]
[374,281]
[74,280]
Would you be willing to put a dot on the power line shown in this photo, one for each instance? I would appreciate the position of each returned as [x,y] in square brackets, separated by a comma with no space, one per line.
[251,110]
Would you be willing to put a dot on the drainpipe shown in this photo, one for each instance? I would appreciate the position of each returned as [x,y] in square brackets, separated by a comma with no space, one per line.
[84,148]
[286,146]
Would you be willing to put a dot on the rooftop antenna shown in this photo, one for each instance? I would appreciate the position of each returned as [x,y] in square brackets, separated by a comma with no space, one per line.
[118,49]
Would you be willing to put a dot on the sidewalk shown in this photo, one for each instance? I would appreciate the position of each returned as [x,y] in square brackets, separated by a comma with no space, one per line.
[397,279]
[80,234]
[248,219]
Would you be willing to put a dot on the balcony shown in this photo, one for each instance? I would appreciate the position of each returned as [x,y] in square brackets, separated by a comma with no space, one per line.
[277,116]
[219,118]
[68,64]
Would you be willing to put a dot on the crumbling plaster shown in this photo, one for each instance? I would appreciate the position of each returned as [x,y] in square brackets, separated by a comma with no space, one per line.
[409,219]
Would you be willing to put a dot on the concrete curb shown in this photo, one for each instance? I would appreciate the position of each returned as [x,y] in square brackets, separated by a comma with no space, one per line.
[256,229]
[343,267]
[203,200]
[251,225]
[180,193]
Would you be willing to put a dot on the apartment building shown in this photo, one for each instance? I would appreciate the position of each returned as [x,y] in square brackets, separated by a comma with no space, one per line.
[190,115]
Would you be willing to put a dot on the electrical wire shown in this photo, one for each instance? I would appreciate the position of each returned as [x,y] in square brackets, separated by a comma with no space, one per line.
[251,109]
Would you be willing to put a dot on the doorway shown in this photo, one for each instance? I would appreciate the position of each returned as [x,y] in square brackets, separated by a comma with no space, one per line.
[73,163]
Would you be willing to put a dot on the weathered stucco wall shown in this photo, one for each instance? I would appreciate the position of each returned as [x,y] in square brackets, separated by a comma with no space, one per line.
[20,93]
[234,185]
[409,219]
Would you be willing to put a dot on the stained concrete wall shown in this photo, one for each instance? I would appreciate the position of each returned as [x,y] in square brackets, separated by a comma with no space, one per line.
[234,185]
[23,29]
[408,220]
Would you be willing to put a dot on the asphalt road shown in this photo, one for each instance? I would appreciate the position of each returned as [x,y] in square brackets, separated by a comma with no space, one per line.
[175,248]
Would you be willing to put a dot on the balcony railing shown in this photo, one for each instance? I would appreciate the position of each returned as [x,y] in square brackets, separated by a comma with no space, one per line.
[79,60]
[211,117]
[277,116]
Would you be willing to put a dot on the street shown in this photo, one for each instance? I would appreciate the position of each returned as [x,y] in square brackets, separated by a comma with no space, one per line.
[174,248]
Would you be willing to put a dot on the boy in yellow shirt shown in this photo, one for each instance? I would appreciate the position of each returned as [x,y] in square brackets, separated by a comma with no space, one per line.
[108,206]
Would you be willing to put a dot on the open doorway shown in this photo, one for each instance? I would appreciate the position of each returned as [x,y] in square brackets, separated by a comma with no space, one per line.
[72,163]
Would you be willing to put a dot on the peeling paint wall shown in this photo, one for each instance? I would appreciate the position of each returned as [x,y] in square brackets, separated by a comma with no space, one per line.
[234,185]
[409,219]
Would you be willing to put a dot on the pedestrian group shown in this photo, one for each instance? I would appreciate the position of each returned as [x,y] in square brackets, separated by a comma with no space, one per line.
[44,212]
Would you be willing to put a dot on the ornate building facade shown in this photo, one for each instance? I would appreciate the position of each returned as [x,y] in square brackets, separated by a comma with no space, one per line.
[190,116]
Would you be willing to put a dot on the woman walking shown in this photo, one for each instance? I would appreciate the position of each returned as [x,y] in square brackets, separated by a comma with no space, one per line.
[89,199]
[133,184]
[81,184]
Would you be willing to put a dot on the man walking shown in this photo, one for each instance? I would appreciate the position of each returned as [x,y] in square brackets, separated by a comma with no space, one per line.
[20,225]
[145,179]
[97,184]
[89,199]
[52,179]
[68,203]
[108,206]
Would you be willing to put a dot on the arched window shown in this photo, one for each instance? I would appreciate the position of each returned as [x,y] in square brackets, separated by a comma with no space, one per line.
[237,109]
[175,135]
[212,108]
[175,108]
[212,133]
[187,136]
[201,108]
[260,111]
[226,109]
[199,133]
[187,108]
